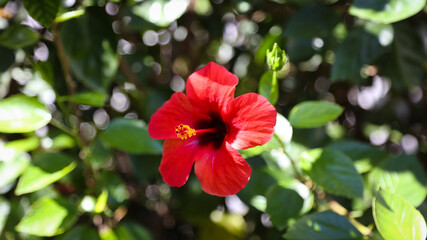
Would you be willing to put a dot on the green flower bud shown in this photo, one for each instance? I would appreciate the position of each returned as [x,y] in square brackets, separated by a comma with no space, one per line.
[276,58]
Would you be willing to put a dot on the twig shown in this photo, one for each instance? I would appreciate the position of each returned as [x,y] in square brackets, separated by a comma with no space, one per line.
[71,85]
[127,71]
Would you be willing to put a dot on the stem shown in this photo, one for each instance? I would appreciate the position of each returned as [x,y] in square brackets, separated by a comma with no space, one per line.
[127,71]
[338,208]
[274,80]
[71,85]
[299,176]
[61,106]
[68,131]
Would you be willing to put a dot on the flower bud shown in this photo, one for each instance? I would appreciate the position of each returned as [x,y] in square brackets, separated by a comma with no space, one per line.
[276,58]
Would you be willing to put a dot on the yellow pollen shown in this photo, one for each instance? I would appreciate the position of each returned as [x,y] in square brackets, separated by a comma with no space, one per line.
[184,131]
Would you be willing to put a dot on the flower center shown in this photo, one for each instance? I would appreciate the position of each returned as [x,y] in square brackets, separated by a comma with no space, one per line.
[184,131]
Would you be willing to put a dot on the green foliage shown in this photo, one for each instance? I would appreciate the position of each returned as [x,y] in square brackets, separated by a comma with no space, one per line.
[323,225]
[311,114]
[159,12]
[18,36]
[403,175]
[359,48]
[46,169]
[276,198]
[130,135]
[80,80]
[364,156]
[132,231]
[93,99]
[43,11]
[312,21]
[21,114]
[407,67]
[47,217]
[342,178]
[10,169]
[386,11]
[396,218]
[93,59]
[269,87]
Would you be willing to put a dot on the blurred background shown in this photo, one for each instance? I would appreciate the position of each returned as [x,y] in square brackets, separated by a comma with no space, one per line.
[99,69]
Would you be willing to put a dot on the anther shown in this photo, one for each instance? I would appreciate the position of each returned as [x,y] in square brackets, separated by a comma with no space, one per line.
[184,131]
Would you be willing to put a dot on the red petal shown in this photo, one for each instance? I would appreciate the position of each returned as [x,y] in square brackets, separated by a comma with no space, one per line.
[211,88]
[221,172]
[178,158]
[251,120]
[178,110]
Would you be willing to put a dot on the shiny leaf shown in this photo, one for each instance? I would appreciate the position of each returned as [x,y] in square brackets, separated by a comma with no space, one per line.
[18,36]
[279,196]
[386,11]
[20,114]
[47,217]
[310,114]
[403,175]
[44,11]
[323,225]
[46,168]
[396,219]
[130,135]
[10,169]
[334,171]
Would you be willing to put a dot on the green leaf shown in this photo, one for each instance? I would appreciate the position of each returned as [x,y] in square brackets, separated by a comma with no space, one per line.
[312,21]
[299,49]
[24,145]
[310,114]
[18,36]
[88,98]
[404,64]
[334,171]
[47,168]
[21,114]
[279,196]
[130,135]
[44,11]
[117,191]
[7,58]
[161,12]
[100,155]
[80,232]
[269,87]
[90,44]
[47,217]
[396,219]
[386,11]
[321,226]
[364,156]
[132,231]
[101,201]
[359,48]
[69,15]
[11,169]
[4,212]
[403,175]
[107,234]
[62,141]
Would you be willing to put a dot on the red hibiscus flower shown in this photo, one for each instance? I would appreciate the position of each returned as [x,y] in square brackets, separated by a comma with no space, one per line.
[206,126]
